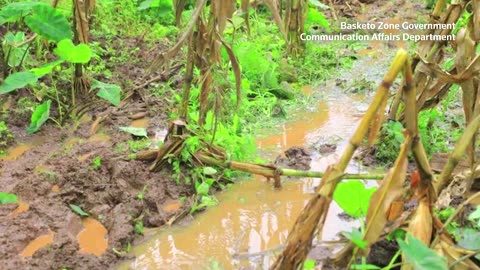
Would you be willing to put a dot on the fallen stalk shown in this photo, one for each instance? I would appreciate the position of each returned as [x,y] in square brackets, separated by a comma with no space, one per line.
[268,171]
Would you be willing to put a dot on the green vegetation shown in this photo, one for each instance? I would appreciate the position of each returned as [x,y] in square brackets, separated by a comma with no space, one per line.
[96,163]
[6,136]
[7,198]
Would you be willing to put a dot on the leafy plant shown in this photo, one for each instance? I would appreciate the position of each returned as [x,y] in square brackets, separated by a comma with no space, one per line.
[139,227]
[96,163]
[39,116]
[419,256]
[6,137]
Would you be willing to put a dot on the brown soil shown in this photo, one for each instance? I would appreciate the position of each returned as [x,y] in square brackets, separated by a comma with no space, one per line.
[57,171]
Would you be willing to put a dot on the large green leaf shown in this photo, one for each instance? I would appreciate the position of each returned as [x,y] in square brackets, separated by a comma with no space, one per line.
[17,80]
[80,53]
[17,54]
[469,239]
[163,7]
[45,69]
[419,256]
[49,23]
[356,237]
[39,116]
[7,198]
[110,92]
[15,11]
[353,197]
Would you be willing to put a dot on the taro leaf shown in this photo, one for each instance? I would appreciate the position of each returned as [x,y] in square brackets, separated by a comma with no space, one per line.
[475,216]
[139,132]
[17,80]
[163,7]
[110,92]
[39,116]
[45,69]
[209,171]
[202,188]
[15,11]
[49,23]
[356,237]
[17,54]
[353,197]
[78,210]
[470,239]
[80,53]
[7,198]
[419,256]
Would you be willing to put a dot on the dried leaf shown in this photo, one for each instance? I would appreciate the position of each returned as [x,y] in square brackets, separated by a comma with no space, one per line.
[389,191]
[245,6]
[223,11]
[421,224]
[377,121]
[236,70]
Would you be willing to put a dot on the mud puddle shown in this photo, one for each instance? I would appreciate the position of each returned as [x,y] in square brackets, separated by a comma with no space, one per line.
[252,217]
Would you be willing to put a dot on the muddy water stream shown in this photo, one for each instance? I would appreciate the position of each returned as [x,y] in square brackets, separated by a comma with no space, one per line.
[253,217]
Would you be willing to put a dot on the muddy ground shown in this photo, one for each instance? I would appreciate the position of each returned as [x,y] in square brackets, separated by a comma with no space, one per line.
[56,171]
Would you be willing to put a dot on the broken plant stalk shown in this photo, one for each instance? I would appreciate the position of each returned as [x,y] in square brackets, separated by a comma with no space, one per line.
[301,236]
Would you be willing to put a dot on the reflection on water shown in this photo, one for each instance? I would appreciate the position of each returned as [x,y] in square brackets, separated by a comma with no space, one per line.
[253,217]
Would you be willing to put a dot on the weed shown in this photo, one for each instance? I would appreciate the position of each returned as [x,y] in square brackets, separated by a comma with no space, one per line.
[96,163]
[6,136]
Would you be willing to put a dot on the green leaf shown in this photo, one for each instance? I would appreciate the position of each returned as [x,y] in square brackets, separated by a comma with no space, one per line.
[475,216]
[45,69]
[139,227]
[163,7]
[16,54]
[420,256]
[469,239]
[80,53]
[78,210]
[356,237]
[139,132]
[202,189]
[109,92]
[209,171]
[15,11]
[309,264]
[7,198]
[17,80]
[39,116]
[353,197]
[365,266]
[49,23]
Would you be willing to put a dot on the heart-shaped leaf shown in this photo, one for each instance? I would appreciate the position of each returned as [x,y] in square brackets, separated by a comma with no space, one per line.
[49,23]
[353,197]
[80,53]
[17,80]
[39,116]
[110,92]
[15,11]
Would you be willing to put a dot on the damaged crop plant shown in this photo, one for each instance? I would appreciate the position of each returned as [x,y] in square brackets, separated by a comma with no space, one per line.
[230,65]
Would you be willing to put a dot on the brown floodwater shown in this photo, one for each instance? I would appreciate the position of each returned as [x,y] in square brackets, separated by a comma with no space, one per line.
[37,243]
[93,238]
[252,216]
[16,152]
[22,207]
